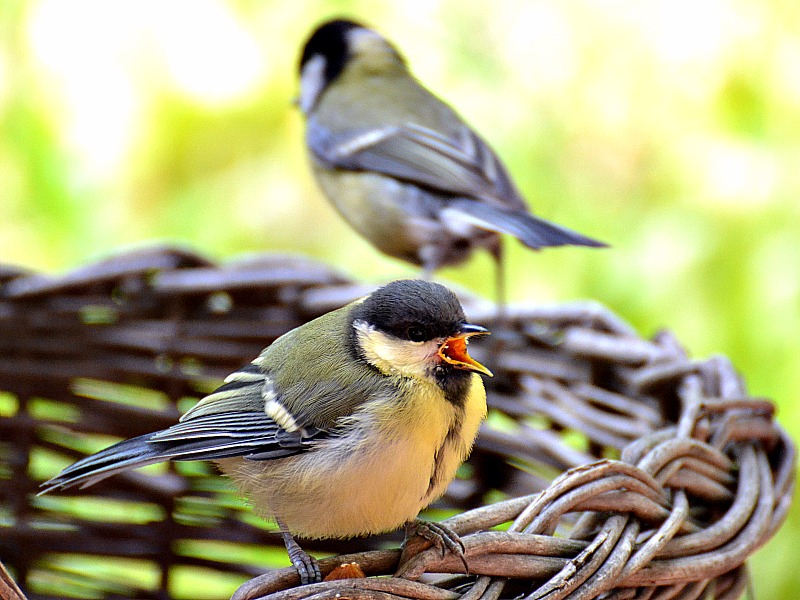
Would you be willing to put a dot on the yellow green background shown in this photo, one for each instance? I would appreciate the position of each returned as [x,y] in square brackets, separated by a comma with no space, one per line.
[668,128]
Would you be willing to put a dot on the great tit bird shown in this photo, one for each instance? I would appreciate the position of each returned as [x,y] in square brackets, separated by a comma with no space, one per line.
[348,425]
[400,165]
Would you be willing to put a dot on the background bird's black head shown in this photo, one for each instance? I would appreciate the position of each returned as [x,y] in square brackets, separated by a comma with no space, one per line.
[412,310]
[329,40]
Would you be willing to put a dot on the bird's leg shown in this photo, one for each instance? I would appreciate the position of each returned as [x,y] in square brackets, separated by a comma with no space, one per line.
[439,535]
[306,565]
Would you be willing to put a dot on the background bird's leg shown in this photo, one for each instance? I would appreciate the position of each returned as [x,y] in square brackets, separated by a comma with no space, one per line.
[499,280]
[429,256]
[306,565]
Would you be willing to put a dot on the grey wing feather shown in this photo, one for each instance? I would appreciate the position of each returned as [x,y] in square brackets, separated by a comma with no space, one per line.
[461,165]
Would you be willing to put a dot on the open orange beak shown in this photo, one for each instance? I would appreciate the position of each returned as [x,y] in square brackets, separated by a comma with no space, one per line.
[454,349]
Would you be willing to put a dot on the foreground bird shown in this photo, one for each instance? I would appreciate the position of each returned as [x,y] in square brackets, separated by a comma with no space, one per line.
[347,425]
[400,165]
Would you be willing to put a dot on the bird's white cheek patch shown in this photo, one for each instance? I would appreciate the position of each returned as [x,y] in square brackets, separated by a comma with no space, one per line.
[393,356]
[312,82]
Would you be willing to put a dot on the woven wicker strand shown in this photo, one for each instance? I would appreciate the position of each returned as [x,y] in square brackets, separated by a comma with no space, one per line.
[623,468]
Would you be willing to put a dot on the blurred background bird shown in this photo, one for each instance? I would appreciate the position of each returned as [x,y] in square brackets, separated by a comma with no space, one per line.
[400,165]
[348,425]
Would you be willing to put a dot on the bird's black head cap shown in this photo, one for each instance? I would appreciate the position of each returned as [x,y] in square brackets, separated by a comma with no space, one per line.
[329,40]
[412,310]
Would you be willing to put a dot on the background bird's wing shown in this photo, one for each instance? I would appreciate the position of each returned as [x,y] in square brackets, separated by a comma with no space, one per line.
[461,165]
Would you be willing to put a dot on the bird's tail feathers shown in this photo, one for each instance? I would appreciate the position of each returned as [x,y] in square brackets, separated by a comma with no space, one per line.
[128,454]
[530,230]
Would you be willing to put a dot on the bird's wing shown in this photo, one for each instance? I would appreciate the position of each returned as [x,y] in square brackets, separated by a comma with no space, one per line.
[247,416]
[252,435]
[459,165]
[241,418]
[312,398]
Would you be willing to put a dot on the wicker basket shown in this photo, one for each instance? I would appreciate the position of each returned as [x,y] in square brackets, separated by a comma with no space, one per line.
[610,466]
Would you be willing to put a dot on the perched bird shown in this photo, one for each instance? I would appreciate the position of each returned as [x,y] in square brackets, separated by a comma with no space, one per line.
[400,165]
[348,425]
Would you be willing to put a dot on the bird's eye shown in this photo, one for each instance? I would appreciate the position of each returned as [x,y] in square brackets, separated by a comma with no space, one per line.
[415,334]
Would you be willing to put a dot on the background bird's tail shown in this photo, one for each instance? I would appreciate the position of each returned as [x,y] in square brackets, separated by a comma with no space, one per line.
[532,231]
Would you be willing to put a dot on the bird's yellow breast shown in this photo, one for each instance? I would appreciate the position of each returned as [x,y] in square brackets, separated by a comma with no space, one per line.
[392,462]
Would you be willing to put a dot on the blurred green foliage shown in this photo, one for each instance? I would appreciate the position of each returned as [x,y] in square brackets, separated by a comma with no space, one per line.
[669,129]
